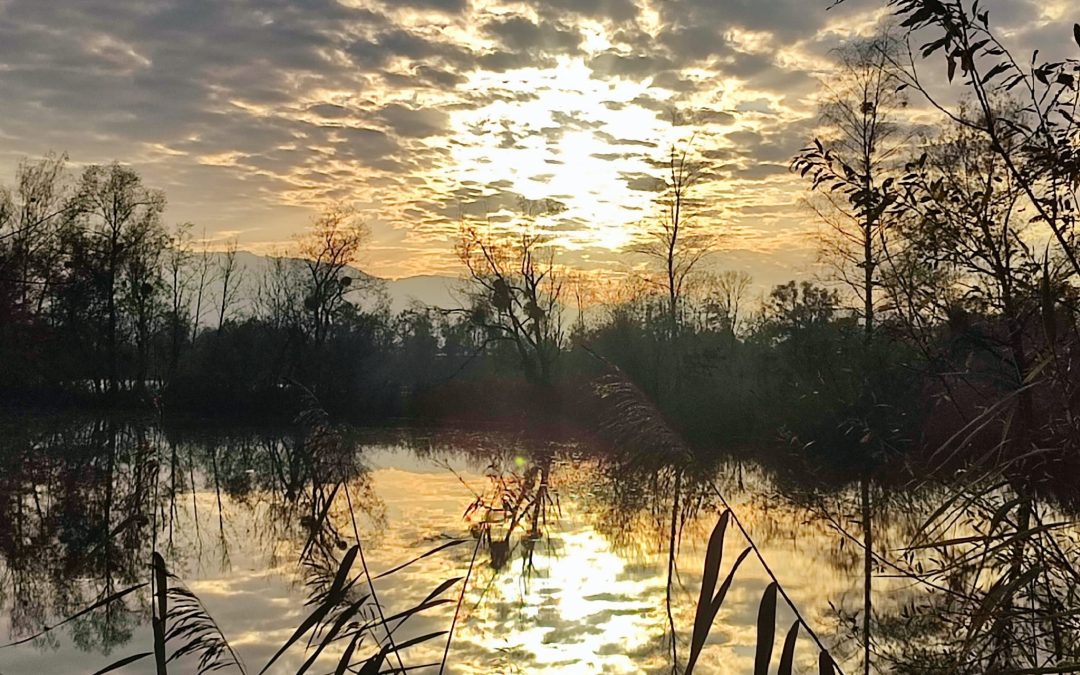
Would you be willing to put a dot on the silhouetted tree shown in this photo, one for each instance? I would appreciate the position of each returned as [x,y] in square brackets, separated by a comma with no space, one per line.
[677,240]
[201,276]
[517,289]
[333,243]
[31,216]
[230,277]
[723,300]
[177,269]
[854,165]
[121,220]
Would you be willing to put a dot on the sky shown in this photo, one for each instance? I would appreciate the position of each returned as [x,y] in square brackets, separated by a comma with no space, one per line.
[253,115]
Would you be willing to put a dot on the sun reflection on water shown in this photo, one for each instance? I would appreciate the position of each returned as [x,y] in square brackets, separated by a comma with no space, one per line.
[585,594]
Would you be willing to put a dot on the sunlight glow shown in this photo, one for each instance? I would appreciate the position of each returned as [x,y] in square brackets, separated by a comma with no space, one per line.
[571,614]
[524,144]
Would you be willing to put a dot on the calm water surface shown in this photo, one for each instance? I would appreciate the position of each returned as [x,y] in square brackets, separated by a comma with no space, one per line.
[573,581]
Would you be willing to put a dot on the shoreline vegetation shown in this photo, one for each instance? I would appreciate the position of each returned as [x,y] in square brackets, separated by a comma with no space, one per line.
[944,353]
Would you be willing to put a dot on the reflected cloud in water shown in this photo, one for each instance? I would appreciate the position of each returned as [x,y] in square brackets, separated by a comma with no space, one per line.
[579,587]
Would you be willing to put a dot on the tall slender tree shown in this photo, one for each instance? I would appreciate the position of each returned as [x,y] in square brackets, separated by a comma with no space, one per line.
[853,167]
[230,277]
[177,269]
[201,277]
[677,239]
[122,221]
[854,163]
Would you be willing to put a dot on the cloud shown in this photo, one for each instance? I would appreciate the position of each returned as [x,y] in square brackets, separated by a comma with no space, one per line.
[414,123]
[330,110]
[252,113]
[643,182]
[447,6]
[380,49]
[502,61]
[614,10]
[634,66]
[520,34]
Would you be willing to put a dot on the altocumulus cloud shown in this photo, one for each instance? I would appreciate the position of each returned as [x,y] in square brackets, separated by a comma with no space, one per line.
[253,113]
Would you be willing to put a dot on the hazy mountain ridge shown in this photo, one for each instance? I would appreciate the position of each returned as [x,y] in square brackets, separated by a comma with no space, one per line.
[251,268]
[448,292]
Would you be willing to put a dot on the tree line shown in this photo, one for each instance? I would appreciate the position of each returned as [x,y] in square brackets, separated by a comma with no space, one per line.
[102,303]
[945,351]
[953,243]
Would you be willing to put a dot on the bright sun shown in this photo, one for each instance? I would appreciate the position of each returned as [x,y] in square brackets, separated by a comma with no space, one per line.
[558,133]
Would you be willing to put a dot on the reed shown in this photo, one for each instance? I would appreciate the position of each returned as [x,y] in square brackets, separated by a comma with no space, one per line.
[633,423]
[344,612]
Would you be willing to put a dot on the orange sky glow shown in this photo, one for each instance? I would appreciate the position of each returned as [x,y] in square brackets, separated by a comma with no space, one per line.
[254,115]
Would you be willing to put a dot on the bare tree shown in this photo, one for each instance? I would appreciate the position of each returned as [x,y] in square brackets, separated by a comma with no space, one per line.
[333,243]
[231,278]
[124,223]
[279,299]
[677,240]
[202,273]
[854,164]
[517,292]
[583,290]
[177,270]
[30,218]
[722,298]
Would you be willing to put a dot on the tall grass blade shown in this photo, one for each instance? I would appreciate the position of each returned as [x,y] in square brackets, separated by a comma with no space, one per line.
[421,639]
[127,660]
[317,526]
[706,612]
[766,630]
[724,587]
[409,669]
[825,664]
[439,590]
[713,609]
[1000,593]
[97,605]
[413,610]
[373,665]
[331,634]
[161,592]
[437,549]
[346,657]
[714,556]
[457,607]
[787,657]
[331,599]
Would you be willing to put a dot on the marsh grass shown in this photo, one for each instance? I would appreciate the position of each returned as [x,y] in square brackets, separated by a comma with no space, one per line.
[632,423]
[345,621]
[346,627]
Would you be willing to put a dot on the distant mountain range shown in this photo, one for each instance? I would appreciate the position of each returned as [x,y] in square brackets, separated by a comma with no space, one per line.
[251,268]
[430,290]
[445,292]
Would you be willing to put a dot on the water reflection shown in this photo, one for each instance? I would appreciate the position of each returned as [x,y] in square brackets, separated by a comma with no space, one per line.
[571,574]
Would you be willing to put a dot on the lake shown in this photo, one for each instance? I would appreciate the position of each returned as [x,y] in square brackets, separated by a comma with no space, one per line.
[562,553]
